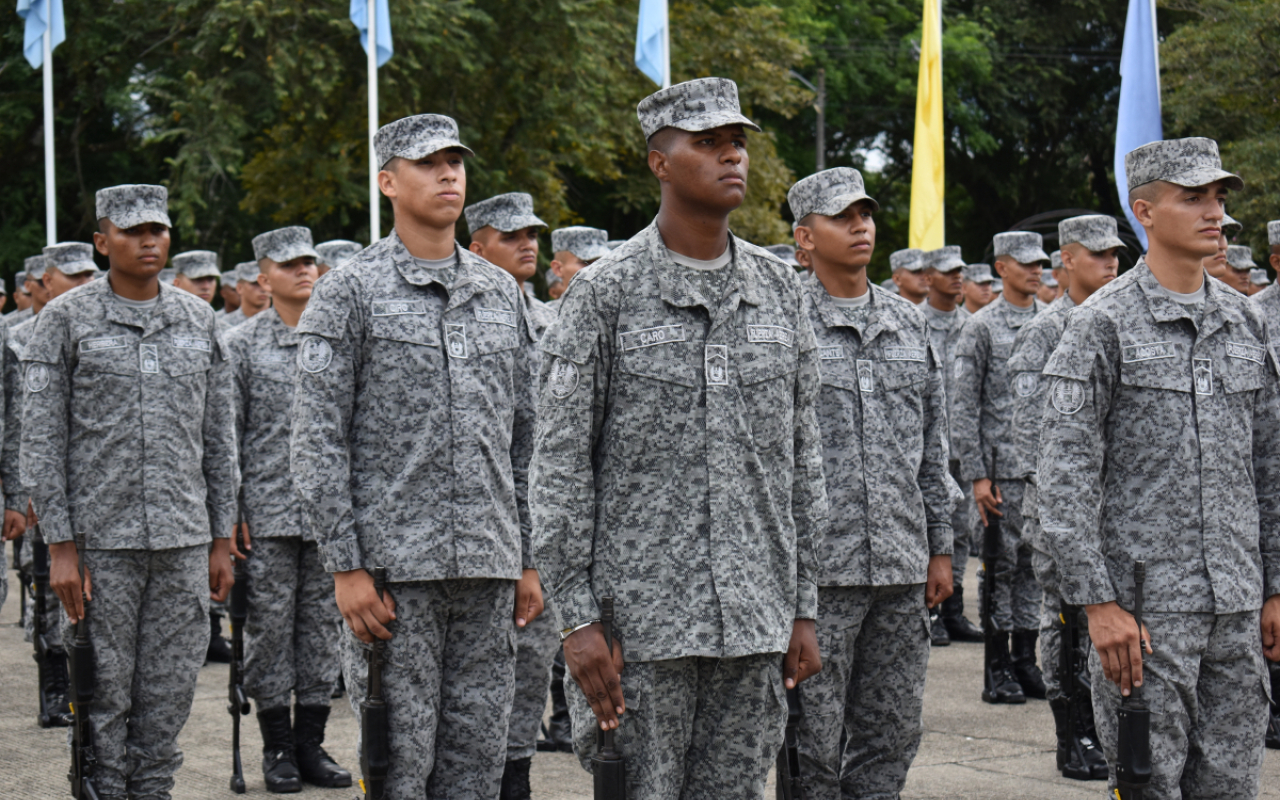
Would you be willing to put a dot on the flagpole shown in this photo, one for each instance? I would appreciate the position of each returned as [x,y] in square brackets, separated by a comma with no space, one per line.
[50,201]
[666,46]
[375,206]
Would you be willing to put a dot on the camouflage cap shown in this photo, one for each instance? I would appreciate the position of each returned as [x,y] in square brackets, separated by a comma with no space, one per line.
[416,137]
[785,252]
[1182,162]
[335,251]
[1022,246]
[977,273]
[197,264]
[1096,232]
[20,277]
[1273,232]
[33,268]
[1230,225]
[168,274]
[945,258]
[586,243]
[828,193]
[889,286]
[248,271]
[912,260]
[228,278]
[1240,257]
[997,286]
[1259,277]
[284,244]
[70,258]
[133,204]
[508,212]
[1055,260]
[697,105]
[614,244]
[553,279]
[1046,277]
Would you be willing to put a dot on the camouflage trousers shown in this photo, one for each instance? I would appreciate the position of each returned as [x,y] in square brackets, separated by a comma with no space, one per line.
[1017,606]
[149,626]
[449,682]
[694,727]
[1051,623]
[291,635]
[862,713]
[536,646]
[1207,688]
[964,522]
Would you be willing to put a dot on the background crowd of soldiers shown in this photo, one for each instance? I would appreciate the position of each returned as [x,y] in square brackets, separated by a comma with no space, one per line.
[777,470]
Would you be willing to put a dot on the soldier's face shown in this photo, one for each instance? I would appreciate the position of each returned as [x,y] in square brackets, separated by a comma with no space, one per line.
[944,283]
[843,241]
[1024,279]
[204,288]
[707,169]
[1187,221]
[1216,264]
[430,191]
[977,294]
[39,292]
[139,252]
[1090,271]
[291,281]
[230,297]
[912,286]
[59,284]
[566,265]
[22,298]
[253,295]
[515,251]
[1237,279]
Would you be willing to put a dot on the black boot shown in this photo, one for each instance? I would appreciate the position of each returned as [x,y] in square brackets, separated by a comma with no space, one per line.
[1087,736]
[1004,688]
[278,765]
[314,764]
[339,688]
[56,711]
[515,780]
[1076,751]
[938,636]
[959,628]
[1025,670]
[219,648]
[558,734]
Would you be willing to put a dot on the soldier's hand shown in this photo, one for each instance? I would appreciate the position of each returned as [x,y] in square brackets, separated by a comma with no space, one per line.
[64,579]
[220,575]
[598,675]
[987,496]
[1115,636]
[240,529]
[15,524]
[528,598]
[1271,627]
[366,614]
[802,659]
[938,584]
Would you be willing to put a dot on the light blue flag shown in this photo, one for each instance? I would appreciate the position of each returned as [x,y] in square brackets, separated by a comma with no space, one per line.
[1139,121]
[38,14]
[651,40]
[360,18]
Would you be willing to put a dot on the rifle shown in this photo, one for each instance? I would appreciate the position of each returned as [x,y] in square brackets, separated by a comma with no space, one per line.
[84,761]
[990,555]
[607,764]
[23,579]
[375,752]
[1076,691]
[1133,757]
[39,621]
[237,700]
[789,784]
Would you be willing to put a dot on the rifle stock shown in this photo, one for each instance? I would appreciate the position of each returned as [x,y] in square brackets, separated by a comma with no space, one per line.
[84,760]
[40,623]
[990,556]
[1133,744]
[237,700]
[375,753]
[607,765]
[788,783]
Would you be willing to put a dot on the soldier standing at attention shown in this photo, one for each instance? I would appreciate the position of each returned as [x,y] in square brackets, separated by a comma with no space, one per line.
[908,275]
[230,297]
[983,422]
[1090,248]
[332,253]
[412,428]
[976,288]
[678,469]
[886,556]
[111,365]
[1162,398]
[197,273]
[504,232]
[572,249]
[22,286]
[254,297]
[291,635]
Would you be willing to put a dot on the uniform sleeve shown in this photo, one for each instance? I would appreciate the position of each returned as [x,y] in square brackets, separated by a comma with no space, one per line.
[1266,471]
[15,499]
[809,507]
[46,411]
[239,399]
[573,387]
[972,352]
[323,400]
[933,478]
[1080,377]
[1027,386]
[522,434]
[221,460]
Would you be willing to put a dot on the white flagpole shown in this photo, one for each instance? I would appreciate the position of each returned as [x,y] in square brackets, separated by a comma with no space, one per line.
[375,208]
[666,46]
[50,201]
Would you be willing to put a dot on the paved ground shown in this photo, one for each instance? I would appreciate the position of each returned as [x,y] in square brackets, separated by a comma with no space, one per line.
[970,749]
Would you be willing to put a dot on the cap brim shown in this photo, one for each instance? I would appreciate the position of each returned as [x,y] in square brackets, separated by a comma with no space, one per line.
[426,148]
[76,267]
[840,202]
[1203,177]
[290,252]
[1244,267]
[1030,255]
[203,272]
[519,224]
[128,221]
[718,119]
[949,264]
[1098,245]
[592,253]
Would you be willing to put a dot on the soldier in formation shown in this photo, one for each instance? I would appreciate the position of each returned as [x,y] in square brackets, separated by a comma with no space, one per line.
[197,273]
[908,275]
[333,253]
[572,249]
[976,287]
[22,286]
[504,232]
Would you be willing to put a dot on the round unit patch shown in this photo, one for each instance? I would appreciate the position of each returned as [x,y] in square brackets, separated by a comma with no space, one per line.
[564,378]
[37,377]
[1026,383]
[315,354]
[1068,395]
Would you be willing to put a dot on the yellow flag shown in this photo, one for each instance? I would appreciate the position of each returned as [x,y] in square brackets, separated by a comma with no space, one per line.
[927,231]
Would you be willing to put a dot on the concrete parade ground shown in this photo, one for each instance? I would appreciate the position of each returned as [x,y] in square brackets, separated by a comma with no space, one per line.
[970,749]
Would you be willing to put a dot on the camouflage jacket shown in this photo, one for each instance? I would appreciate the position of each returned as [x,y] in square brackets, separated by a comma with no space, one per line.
[540,316]
[883,419]
[678,464]
[1031,350]
[264,360]
[17,317]
[1162,443]
[944,333]
[15,497]
[413,417]
[231,319]
[126,422]
[983,398]
[1268,300]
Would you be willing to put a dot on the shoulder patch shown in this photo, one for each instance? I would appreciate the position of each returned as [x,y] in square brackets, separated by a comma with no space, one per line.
[37,377]
[775,334]
[315,354]
[563,380]
[1247,352]
[1149,351]
[648,337]
[496,315]
[1068,395]
[1026,383]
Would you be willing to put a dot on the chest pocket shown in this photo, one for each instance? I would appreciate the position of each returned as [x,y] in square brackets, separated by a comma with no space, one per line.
[273,365]
[664,370]
[766,374]
[1168,374]
[180,361]
[408,328]
[115,355]
[1242,369]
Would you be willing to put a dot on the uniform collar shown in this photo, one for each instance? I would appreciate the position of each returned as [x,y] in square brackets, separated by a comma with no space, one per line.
[283,335]
[879,318]
[1165,309]
[467,280]
[1013,316]
[941,320]
[167,311]
[673,281]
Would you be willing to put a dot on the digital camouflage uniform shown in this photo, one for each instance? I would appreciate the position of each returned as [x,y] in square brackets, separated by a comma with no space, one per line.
[245,271]
[413,425]
[17,317]
[335,251]
[127,441]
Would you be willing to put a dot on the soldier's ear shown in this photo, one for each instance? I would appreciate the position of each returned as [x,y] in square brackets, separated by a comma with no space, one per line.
[658,165]
[804,238]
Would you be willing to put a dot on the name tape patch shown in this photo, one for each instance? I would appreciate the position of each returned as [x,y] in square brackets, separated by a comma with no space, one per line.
[394,308]
[1003,337]
[1247,352]
[831,353]
[904,354]
[496,315]
[648,337]
[193,343]
[105,343]
[271,358]
[774,334]
[1147,352]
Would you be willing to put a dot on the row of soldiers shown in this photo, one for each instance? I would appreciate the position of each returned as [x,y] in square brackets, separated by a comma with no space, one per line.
[761,471]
